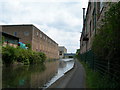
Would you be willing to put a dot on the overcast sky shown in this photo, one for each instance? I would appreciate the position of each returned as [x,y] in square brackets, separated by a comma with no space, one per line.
[61,20]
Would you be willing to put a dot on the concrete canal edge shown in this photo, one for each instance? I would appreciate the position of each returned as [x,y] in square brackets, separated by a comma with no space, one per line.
[65,78]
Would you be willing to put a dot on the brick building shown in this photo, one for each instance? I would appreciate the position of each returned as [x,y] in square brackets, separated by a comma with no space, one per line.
[62,51]
[10,40]
[91,22]
[39,41]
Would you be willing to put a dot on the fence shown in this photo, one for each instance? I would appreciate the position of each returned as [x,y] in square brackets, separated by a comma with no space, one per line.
[104,67]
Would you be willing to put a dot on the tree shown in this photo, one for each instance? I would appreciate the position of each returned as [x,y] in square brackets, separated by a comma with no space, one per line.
[106,43]
[29,46]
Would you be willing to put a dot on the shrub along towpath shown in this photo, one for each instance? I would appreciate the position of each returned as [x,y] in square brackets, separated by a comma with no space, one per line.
[75,78]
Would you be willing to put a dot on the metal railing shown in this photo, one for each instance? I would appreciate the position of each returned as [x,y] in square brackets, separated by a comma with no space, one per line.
[104,67]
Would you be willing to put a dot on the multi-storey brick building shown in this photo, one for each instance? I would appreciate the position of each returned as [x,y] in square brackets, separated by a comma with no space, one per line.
[30,34]
[91,22]
[103,60]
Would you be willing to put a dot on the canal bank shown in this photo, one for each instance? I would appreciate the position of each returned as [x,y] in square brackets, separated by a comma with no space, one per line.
[35,76]
[65,65]
[74,78]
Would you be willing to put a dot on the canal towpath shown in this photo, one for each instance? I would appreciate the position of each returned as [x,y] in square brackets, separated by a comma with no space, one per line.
[75,78]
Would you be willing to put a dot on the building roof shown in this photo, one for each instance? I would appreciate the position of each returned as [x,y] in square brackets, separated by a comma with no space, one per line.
[19,25]
[8,35]
[29,25]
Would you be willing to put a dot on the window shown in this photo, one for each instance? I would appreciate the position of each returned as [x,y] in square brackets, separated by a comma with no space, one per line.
[60,53]
[86,27]
[90,6]
[43,37]
[26,33]
[37,33]
[90,27]
[40,35]
[15,33]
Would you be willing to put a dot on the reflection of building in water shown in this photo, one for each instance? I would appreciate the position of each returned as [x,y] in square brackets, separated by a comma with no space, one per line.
[62,51]
[33,76]
[62,64]
[39,79]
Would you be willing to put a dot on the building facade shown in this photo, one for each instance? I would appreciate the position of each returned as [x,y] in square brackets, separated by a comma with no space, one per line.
[10,40]
[91,22]
[62,51]
[39,41]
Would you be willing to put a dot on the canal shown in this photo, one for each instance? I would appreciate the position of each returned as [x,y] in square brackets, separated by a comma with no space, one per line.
[35,76]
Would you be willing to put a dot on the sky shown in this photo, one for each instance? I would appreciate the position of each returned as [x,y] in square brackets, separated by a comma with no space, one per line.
[61,20]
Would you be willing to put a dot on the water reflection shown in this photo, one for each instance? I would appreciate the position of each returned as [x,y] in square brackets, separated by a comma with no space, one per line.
[35,76]
[64,66]
[28,76]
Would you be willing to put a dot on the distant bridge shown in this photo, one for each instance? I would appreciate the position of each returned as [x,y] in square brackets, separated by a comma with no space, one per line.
[69,55]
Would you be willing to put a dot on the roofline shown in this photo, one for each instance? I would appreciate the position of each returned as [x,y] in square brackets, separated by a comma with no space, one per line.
[30,25]
[9,35]
[45,34]
[19,25]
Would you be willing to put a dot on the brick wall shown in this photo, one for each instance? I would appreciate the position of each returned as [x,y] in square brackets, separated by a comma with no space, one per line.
[21,31]
[30,34]
[90,28]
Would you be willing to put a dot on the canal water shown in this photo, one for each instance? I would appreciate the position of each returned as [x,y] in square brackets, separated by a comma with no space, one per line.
[35,76]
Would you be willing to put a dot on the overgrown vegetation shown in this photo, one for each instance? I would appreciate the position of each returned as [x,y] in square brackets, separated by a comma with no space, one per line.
[95,80]
[11,55]
[106,44]
[104,56]
[29,46]
[77,54]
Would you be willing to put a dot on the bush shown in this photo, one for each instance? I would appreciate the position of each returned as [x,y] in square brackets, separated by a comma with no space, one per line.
[22,55]
[106,43]
[8,55]
[43,57]
[26,62]
[11,54]
[29,46]
[36,58]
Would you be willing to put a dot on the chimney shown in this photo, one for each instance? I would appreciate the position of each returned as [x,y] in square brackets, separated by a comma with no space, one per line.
[83,16]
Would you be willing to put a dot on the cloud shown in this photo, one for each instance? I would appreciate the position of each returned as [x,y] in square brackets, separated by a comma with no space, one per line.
[61,20]
[68,1]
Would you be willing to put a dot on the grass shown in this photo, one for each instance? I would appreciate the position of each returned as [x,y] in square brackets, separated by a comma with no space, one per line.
[95,80]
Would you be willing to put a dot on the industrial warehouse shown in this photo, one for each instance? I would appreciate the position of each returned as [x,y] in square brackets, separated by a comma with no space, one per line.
[92,21]
[39,41]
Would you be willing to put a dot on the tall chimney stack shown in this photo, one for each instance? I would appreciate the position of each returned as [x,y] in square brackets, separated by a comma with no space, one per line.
[83,15]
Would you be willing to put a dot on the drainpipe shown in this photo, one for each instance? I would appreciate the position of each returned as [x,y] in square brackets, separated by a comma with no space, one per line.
[83,15]
[95,17]
[83,20]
